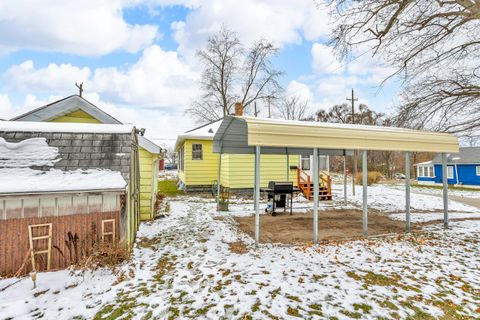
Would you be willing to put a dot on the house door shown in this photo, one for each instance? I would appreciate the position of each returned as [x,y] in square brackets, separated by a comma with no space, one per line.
[306,164]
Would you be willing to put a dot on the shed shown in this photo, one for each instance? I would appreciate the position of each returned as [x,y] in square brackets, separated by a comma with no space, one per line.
[247,135]
[76,109]
[64,187]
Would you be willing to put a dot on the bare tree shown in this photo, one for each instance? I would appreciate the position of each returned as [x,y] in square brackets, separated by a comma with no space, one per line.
[170,154]
[232,73]
[434,48]
[342,113]
[292,108]
[338,113]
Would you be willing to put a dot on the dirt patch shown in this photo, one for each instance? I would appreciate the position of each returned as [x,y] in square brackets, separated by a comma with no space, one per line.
[238,247]
[332,225]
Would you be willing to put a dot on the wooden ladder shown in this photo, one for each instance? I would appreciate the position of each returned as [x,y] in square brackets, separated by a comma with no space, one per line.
[32,240]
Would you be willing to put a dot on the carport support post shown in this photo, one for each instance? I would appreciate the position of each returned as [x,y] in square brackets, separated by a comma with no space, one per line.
[345,178]
[407,192]
[445,190]
[364,193]
[315,195]
[218,181]
[257,195]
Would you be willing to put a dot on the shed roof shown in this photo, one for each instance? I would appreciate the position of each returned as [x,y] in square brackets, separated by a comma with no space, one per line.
[73,103]
[65,106]
[466,155]
[35,161]
[27,126]
[241,134]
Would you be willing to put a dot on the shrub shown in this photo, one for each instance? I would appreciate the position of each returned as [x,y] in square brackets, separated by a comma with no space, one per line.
[106,255]
[372,177]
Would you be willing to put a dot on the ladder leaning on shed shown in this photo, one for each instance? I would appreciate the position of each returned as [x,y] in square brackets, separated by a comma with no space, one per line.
[33,239]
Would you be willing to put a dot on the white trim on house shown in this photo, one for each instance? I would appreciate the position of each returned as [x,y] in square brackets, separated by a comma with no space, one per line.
[450,171]
[425,170]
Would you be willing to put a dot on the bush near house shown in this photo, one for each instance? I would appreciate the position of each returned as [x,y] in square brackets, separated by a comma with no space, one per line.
[372,177]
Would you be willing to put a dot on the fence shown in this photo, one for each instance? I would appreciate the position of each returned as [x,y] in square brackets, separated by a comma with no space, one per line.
[72,237]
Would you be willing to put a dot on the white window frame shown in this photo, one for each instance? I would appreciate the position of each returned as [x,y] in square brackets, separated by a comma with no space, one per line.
[197,154]
[450,171]
[477,169]
[305,158]
[181,159]
[431,171]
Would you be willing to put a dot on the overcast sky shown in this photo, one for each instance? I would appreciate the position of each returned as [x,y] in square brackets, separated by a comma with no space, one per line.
[136,58]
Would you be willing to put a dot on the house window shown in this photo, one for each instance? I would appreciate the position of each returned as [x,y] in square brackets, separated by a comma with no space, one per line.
[450,172]
[305,162]
[478,170]
[197,151]
[426,171]
[323,163]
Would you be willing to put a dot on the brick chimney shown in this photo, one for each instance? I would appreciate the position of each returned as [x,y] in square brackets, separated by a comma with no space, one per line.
[238,109]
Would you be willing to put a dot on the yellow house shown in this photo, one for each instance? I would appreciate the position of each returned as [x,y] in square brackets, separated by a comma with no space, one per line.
[76,109]
[198,164]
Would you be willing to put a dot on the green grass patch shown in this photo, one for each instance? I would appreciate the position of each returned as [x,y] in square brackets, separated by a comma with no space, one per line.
[441,187]
[169,188]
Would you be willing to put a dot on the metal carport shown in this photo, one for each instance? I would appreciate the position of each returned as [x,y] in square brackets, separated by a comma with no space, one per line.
[247,135]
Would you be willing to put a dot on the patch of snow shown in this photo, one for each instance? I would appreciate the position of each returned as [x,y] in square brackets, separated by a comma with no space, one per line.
[27,153]
[392,200]
[27,126]
[19,180]
[182,267]
[474,194]
[168,174]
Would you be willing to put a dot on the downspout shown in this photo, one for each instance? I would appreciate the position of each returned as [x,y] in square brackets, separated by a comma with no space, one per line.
[456,172]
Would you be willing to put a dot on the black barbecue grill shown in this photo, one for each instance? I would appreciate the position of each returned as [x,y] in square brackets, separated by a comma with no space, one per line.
[280,193]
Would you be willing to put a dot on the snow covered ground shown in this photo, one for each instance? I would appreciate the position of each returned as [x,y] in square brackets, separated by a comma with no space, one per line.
[182,267]
[391,199]
[474,194]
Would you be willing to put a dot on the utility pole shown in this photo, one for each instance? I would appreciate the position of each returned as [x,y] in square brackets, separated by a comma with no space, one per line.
[354,173]
[269,110]
[255,112]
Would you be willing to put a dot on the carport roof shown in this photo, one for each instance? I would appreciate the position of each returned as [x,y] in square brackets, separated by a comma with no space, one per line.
[241,134]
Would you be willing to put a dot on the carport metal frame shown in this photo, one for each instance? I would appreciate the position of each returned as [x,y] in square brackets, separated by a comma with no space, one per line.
[246,135]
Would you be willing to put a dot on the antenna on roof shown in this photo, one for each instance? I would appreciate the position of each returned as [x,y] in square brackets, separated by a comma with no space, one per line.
[80,88]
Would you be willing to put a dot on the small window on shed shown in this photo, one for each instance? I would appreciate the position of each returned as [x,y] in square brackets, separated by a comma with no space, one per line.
[197,151]
[478,170]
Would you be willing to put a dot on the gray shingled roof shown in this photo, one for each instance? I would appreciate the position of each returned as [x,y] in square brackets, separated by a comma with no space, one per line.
[84,150]
[65,106]
[466,155]
[73,103]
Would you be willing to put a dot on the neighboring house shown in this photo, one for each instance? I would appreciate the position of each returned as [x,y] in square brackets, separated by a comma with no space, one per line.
[198,164]
[462,168]
[75,109]
[63,189]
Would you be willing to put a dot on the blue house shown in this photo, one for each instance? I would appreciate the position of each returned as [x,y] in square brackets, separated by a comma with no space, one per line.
[463,168]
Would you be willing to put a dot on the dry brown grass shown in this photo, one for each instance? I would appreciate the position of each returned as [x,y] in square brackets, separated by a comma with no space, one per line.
[372,177]
[106,255]
[238,247]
